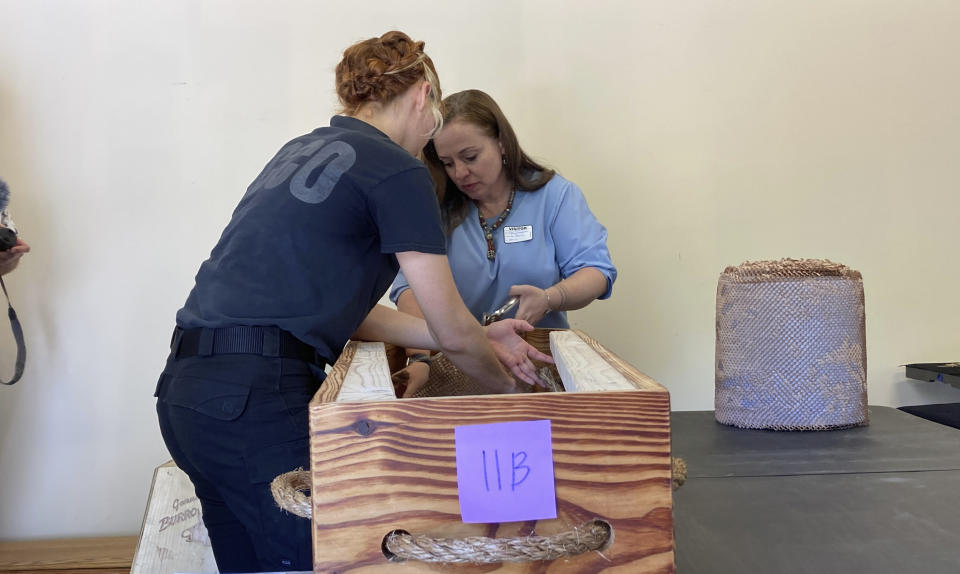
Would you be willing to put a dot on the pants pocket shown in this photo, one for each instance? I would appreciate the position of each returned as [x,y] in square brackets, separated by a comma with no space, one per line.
[285,539]
[298,383]
[207,386]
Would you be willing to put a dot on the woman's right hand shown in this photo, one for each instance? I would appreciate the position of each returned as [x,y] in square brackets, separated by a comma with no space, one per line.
[533,303]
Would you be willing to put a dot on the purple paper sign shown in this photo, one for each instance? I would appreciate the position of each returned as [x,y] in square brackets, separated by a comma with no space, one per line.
[505,472]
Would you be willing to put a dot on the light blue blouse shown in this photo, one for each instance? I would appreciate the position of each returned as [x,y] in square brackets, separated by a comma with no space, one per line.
[551,234]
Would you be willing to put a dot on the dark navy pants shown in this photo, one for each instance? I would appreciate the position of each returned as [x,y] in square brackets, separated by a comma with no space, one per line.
[233,423]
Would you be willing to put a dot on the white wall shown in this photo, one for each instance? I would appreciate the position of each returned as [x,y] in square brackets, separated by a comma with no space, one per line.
[704,133]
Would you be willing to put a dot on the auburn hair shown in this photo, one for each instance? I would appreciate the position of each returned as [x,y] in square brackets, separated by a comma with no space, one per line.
[380,69]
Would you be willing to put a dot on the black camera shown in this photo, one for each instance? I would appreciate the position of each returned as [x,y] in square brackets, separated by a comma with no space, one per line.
[8,238]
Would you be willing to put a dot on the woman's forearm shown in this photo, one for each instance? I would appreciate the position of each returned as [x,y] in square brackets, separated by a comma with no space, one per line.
[407,303]
[457,333]
[385,324]
[576,291]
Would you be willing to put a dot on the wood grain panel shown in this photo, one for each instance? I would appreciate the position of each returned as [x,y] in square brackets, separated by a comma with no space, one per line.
[396,357]
[114,553]
[173,537]
[639,379]
[582,369]
[540,339]
[380,466]
[368,375]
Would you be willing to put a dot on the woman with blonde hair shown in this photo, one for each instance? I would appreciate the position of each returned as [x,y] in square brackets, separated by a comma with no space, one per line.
[311,247]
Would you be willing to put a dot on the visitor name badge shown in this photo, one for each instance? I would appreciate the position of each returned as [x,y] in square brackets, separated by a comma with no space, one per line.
[517,233]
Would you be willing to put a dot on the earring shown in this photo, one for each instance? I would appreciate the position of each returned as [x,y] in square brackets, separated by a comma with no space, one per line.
[504,158]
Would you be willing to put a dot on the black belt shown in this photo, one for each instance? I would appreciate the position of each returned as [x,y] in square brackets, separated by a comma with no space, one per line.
[264,341]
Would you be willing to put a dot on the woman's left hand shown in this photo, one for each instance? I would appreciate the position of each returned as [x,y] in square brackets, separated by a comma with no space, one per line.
[533,303]
[513,351]
[408,380]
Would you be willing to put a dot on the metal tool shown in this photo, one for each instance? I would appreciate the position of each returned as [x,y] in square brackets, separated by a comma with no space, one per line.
[502,310]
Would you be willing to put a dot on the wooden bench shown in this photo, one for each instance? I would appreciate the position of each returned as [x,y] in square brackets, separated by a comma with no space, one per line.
[68,555]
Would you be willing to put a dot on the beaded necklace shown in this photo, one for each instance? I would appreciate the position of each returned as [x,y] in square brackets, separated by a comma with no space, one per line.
[488,230]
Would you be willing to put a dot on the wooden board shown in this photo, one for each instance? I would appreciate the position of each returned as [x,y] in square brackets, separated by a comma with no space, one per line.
[173,537]
[385,465]
[361,374]
[368,378]
[90,555]
[540,339]
[586,366]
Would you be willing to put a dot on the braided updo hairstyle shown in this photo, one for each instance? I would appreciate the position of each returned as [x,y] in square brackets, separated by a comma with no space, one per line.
[380,69]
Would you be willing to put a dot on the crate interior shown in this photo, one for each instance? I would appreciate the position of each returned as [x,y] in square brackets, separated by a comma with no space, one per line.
[447,380]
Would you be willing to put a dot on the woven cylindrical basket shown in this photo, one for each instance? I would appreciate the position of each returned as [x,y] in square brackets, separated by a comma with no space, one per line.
[791,346]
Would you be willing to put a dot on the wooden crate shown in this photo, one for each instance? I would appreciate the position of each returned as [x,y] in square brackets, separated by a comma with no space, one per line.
[380,464]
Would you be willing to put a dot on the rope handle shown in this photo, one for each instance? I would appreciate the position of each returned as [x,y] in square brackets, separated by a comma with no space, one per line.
[399,546]
[291,492]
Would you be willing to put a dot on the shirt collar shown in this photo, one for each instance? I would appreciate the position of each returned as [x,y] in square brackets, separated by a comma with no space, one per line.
[350,123]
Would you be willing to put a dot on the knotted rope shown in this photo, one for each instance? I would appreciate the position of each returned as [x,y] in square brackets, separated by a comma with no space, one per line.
[678,468]
[587,537]
[291,492]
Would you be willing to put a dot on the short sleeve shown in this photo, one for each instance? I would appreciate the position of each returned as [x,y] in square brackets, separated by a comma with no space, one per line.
[405,211]
[399,286]
[587,245]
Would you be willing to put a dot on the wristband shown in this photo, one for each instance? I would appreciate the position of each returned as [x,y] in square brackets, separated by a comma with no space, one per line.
[418,358]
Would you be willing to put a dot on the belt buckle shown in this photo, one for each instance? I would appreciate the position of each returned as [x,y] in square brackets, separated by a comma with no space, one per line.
[272,341]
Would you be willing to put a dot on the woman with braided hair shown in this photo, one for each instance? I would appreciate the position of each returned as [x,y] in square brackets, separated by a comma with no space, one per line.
[311,248]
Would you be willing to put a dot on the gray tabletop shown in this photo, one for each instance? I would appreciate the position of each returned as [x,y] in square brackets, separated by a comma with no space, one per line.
[879,498]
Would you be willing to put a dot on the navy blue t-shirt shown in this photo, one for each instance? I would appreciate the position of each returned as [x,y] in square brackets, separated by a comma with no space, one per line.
[311,246]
